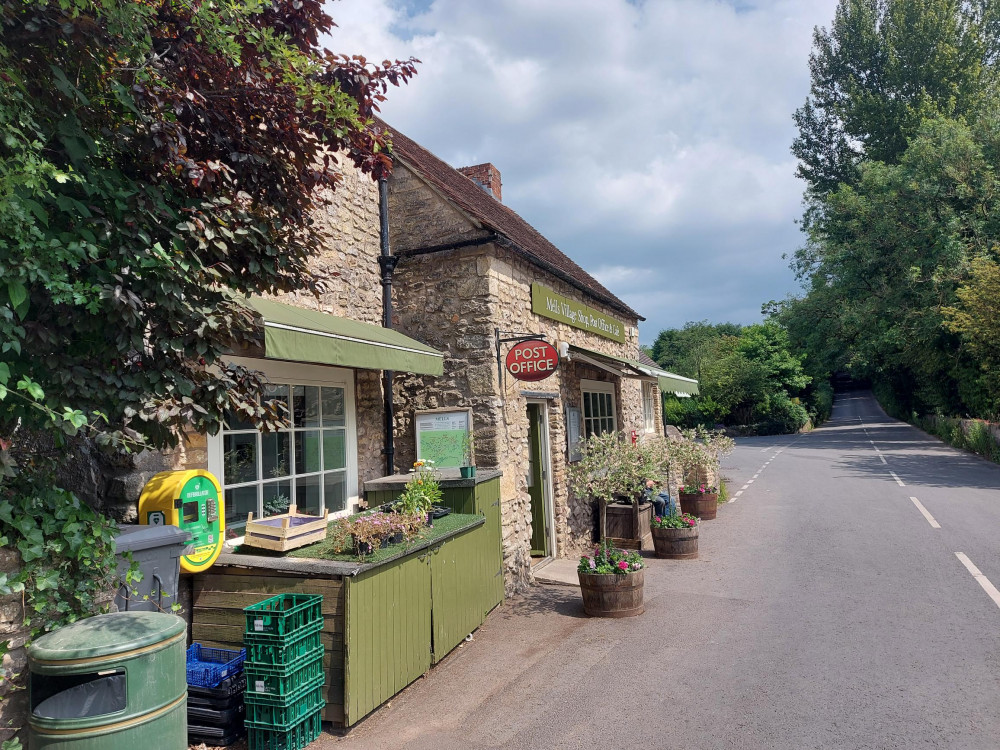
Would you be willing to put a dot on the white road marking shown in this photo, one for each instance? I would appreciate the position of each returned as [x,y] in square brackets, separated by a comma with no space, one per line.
[930,519]
[883,459]
[898,480]
[756,475]
[988,587]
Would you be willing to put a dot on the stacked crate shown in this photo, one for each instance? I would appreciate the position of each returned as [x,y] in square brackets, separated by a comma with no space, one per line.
[215,695]
[284,671]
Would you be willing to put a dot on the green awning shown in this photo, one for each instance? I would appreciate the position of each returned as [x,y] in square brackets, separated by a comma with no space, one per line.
[677,384]
[301,335]
[630,368]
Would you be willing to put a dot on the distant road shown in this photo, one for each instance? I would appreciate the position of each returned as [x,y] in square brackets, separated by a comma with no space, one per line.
[844,600]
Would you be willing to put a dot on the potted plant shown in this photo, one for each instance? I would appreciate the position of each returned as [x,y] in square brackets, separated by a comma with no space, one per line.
[421,492]
[675,536]
[370,531]
[697,458]
[468,469]
[614,471]
[611,582]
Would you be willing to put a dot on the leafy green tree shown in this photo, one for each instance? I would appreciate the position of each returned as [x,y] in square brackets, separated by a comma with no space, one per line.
[879,71]
[684,350]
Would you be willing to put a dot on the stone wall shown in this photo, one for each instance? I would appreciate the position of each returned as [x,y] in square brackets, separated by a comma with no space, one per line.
[454,301]
[419,217]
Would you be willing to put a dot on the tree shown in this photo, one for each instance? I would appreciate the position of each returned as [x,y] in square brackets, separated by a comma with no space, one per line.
[159,161]
[684,350]
[883,68]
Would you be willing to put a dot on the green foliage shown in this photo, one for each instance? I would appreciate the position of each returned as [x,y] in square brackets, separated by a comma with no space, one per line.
[422,491]
[609,560]
[674,521]
[612,466]
[158,164]
[67,552]
[880,71]
[744,374]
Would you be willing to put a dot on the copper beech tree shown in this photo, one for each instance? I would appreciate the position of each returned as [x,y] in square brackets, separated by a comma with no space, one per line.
[159,160]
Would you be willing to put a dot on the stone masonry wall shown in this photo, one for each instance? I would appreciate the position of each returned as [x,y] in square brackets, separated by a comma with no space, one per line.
[454,301]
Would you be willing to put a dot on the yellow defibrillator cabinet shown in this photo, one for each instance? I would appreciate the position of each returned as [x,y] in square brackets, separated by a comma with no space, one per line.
[191,500]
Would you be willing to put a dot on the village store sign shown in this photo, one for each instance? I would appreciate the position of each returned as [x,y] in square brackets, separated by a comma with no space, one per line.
[550,304]
[532,360]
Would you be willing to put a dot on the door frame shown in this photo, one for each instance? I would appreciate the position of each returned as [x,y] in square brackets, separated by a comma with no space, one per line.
[548,500]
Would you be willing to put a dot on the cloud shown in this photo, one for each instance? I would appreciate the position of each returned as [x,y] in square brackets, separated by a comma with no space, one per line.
[656,133]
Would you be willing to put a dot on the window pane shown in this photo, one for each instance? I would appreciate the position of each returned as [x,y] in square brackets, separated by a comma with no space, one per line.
[307,452]
[305,405]
[275,454]
[307,495]
[277,498]
[334,450]
[240,458]
[278,393]
[239,503]
[333,491]
[333,407]
[232,422]
[587,412]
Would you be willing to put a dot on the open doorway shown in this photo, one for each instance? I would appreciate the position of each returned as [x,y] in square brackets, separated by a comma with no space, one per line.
[539,482]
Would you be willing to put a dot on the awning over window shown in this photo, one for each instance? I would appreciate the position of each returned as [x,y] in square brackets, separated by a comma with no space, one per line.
[300,335]
[628,368]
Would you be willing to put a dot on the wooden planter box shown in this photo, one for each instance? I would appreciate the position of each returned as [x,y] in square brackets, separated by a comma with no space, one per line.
[612,595]
[704,505]
[676,544]
[627,526]
[285,532]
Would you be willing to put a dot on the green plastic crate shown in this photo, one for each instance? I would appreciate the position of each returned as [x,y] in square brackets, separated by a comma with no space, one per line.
[273,712]
[281,651]
[283,615]
[295,738]
[282,680]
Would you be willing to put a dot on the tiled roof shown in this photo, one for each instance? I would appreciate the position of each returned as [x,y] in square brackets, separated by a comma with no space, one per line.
[494,215]
[645,359]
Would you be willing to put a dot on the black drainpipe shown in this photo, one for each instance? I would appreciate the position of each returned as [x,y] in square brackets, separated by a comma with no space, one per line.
[387,262]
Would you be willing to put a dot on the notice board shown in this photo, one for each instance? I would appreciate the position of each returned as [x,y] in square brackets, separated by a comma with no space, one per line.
[443,435]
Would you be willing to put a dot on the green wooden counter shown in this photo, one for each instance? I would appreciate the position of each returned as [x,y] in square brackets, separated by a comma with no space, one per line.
[385,620]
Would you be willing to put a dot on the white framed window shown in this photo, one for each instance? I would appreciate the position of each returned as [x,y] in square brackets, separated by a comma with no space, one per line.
[312,463]
[599,411]
[649,407]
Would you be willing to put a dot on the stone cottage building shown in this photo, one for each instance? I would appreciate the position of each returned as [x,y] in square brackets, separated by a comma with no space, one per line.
[472,275]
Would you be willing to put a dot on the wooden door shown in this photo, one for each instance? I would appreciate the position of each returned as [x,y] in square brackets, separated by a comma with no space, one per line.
[536,483]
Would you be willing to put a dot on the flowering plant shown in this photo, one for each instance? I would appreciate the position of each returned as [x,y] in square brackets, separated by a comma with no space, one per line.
[370,529]
[698,489]
[422,490]
[675,521]
[609,560]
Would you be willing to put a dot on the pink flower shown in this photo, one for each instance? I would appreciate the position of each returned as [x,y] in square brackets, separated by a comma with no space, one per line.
[623,565]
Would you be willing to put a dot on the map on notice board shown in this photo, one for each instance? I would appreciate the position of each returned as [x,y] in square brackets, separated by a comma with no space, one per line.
[441,437]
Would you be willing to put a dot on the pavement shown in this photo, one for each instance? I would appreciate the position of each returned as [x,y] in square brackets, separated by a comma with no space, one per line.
[824,611]
[557,572]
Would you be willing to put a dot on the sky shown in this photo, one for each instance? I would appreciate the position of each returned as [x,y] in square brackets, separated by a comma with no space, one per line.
[647,139]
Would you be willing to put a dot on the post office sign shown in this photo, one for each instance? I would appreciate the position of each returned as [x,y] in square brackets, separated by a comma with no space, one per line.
[532,360]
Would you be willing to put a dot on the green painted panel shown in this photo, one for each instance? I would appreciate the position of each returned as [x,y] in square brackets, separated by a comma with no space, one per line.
[488,500]
[387,633]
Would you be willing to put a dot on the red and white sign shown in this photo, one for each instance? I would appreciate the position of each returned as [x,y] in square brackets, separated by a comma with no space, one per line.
[532,360]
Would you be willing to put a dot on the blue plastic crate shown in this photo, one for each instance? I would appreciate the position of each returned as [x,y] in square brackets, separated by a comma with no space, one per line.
[207,667]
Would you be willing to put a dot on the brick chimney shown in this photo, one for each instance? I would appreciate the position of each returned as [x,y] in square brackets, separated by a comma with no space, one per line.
[486,176]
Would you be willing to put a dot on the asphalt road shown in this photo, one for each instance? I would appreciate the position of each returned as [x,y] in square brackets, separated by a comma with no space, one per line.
[825,611]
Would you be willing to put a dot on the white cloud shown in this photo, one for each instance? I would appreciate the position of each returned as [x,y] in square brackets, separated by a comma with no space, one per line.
[656,130]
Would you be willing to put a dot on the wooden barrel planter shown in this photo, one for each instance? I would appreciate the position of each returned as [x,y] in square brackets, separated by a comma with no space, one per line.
[704,505]
[627,524]
[612,595]
[676,544]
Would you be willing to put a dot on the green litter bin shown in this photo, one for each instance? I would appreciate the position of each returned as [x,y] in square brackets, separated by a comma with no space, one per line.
[110,682]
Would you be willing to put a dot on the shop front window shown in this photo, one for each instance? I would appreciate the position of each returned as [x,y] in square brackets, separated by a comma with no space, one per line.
[599,415]
[305,464]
